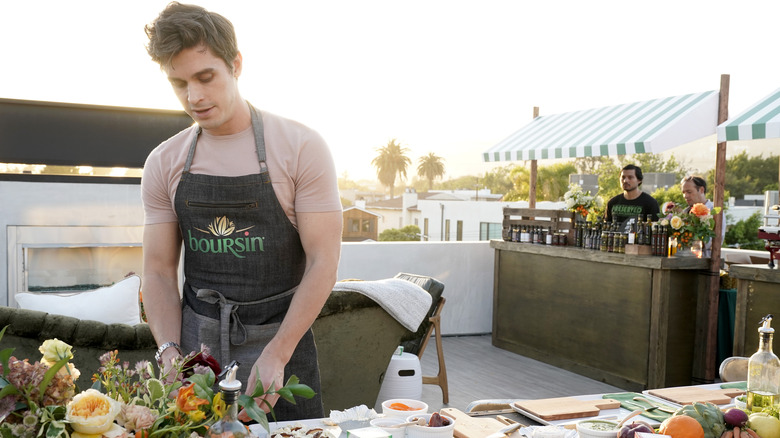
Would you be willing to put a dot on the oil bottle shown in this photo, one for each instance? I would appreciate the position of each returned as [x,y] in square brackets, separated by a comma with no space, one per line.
[228,425]
[763,380]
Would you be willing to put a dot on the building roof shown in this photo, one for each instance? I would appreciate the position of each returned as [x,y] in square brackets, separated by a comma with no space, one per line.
[363,210]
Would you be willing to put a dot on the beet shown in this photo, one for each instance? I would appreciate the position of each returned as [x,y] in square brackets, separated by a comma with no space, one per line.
[628,430]
[735,417]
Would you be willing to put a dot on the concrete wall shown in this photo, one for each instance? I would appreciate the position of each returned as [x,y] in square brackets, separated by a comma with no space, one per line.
[465,268]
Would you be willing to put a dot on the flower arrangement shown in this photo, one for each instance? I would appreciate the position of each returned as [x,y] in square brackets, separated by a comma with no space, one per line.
[583,204]
[41,399]
[696,224]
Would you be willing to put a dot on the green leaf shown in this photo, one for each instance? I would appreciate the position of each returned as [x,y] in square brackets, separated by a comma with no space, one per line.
[259,388]
[301,390]
[50,375]
[286,394]
[254,411]
[156,389]
[7,388]
[56,429]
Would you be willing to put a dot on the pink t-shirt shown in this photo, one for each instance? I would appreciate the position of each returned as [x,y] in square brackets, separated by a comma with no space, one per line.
[299,163]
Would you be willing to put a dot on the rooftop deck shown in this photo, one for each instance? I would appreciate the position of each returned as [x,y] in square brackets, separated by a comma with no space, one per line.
[477,370]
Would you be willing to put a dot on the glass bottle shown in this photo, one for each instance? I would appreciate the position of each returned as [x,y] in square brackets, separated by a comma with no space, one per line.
[228,425]
[763,380]
[548,236]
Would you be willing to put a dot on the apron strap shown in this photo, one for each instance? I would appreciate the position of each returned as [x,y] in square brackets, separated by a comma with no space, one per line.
[231,329]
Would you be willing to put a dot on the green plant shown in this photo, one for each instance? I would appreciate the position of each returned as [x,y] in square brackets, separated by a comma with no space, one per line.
[744,234]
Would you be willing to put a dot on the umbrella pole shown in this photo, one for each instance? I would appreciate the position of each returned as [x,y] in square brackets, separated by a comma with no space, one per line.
[532,177]
[704,362]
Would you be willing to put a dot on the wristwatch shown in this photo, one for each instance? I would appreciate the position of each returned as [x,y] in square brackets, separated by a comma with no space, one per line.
[163,347]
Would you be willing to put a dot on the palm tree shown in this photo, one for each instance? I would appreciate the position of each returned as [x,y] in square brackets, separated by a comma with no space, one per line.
[391,161]
[430,168]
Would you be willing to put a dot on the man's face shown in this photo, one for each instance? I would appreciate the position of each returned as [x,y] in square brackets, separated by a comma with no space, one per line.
[628,180]
[693,194]
[207,89]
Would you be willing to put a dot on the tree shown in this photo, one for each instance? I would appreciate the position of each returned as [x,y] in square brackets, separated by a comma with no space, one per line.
[407,233]
[744,234]
[609,170]
[747,175]
[551,182]
[497,180]
[391,162]
[431,167]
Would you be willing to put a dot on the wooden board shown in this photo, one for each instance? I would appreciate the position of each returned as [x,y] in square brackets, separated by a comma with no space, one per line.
[562,408]
[686,395]
[473,427]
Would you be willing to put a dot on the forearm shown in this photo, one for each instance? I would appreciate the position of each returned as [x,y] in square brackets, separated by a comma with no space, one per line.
[313,291]
[163,308]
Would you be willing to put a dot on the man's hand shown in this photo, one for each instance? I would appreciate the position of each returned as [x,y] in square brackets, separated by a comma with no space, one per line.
[167,370]
[271,373]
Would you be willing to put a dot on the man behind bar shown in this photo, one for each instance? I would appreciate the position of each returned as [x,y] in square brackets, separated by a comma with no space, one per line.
[633,201]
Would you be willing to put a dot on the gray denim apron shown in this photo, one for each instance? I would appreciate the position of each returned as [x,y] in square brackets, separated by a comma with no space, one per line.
[243,260]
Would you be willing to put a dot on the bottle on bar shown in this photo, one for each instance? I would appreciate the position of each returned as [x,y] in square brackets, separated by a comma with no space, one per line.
[548,236]
[640,231]
[631,236]
[649,231]
[604,241]
[228,426]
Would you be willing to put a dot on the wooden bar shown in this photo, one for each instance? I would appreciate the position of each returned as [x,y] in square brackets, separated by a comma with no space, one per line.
[626,320]
[758,294]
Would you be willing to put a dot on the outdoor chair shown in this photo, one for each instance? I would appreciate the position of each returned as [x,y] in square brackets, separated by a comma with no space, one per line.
[415,343]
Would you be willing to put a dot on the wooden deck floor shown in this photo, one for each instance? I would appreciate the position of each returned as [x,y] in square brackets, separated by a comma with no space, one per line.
[477,370]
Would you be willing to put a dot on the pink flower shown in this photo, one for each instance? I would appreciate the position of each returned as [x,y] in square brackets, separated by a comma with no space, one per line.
[136,417]
[669,206]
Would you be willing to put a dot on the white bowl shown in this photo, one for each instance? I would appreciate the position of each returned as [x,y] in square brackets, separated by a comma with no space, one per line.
[390,425]
[597,429]
[417,407]
[549,432]
[415,431]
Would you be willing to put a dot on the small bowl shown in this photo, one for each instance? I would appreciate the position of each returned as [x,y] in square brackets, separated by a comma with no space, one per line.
[597,429]
[390,425]
[740,402]
[417,407]
[415,431]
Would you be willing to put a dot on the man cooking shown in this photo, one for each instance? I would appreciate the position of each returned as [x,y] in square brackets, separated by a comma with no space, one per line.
[253,199]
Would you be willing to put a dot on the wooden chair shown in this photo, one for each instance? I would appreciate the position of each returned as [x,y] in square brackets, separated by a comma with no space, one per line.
[416,342]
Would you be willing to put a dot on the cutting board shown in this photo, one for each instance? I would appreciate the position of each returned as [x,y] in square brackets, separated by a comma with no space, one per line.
[686,395]
[472,427]
[561,408]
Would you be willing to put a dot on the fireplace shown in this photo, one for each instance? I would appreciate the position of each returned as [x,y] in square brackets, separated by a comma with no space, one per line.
[70,258]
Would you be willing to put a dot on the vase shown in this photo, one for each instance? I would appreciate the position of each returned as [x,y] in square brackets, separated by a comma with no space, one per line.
[694,250]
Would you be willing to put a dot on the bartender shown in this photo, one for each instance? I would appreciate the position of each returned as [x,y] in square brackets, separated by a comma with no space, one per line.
[252,199]
[633,202]
[694,189]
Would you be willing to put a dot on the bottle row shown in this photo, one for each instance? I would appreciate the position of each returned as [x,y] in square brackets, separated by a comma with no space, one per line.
[611,237]
[536,234]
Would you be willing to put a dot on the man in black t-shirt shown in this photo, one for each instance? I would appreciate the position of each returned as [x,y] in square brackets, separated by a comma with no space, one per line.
[633,201]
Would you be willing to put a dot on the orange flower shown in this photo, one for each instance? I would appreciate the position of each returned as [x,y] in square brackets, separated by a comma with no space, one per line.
[188,402]
[700,210]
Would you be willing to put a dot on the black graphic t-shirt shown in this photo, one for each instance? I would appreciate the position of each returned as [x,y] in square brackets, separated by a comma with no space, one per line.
[624,209]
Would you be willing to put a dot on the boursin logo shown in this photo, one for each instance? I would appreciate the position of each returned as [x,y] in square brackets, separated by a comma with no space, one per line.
[223,238]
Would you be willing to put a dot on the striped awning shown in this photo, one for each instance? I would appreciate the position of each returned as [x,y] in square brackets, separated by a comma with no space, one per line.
[633,128]
[761,120]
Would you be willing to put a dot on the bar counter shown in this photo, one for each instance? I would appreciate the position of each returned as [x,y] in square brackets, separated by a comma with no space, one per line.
[758,294]
[626,320]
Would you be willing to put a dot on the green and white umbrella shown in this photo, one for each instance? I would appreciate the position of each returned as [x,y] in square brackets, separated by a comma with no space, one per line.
[649,126]
[761,120]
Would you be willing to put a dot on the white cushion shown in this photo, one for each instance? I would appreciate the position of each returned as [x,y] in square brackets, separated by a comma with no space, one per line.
[117,303]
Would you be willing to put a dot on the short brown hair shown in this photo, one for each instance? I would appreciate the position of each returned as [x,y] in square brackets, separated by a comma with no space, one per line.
[181,26]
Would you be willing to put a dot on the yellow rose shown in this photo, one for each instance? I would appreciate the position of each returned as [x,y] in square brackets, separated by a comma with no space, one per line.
[92,412]
[676,222]
[54,350]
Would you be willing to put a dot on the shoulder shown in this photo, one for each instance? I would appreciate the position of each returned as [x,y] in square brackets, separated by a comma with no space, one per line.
[616,198]
[172,148]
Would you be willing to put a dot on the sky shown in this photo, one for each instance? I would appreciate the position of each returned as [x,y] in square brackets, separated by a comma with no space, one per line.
[449,77]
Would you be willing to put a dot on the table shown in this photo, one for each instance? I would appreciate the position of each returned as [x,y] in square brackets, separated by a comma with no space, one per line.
[626,320]
[758,293]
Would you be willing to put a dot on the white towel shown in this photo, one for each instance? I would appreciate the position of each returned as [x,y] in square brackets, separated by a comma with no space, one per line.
[404,300]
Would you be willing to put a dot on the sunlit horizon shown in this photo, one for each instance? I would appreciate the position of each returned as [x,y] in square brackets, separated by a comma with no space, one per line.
[452,78]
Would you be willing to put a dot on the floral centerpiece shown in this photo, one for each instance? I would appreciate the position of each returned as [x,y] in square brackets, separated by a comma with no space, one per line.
[697,224]
[584,205]
[40,399]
